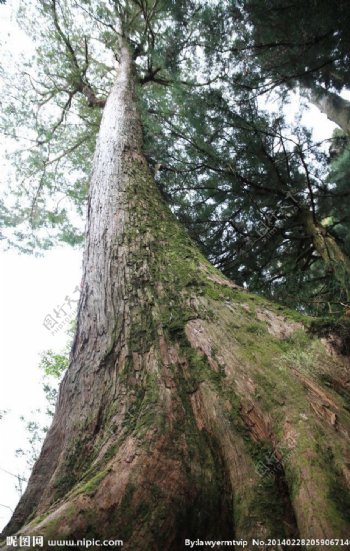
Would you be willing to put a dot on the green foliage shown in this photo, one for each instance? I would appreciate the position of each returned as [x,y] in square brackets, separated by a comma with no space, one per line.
[240,179]
[36,432]
[306,42]
[53,364]
[236,173]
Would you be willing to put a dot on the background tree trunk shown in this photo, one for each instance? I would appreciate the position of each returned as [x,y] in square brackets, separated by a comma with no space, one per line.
[191,409]
[327,247]
[334,106]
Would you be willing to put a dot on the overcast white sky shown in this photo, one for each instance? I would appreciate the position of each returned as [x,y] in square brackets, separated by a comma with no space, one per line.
[30,288]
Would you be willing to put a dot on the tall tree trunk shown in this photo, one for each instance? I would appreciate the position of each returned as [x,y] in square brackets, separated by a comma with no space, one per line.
[334,106]
[335,260]
[191,409]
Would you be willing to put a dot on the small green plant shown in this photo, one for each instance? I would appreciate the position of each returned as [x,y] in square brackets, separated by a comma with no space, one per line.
[302,353]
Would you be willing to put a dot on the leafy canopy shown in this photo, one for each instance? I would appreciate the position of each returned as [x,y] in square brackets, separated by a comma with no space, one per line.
[213,81]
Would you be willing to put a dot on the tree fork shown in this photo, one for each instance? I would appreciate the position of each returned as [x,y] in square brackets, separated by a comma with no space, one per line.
[191,408]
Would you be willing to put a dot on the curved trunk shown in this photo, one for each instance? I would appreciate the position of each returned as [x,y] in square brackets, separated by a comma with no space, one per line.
[191,409]
[335,260]
[334,106]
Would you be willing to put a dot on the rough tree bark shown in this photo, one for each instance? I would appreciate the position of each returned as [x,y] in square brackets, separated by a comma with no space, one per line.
[191,408]
[334,106]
